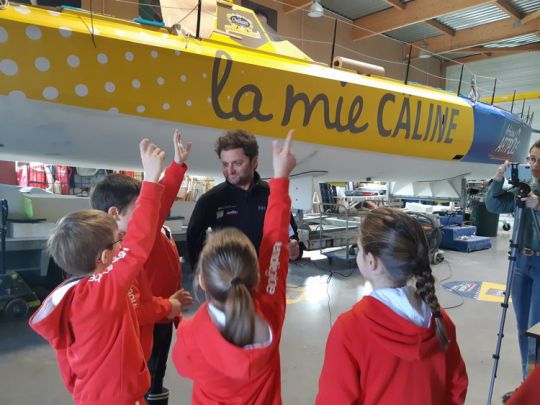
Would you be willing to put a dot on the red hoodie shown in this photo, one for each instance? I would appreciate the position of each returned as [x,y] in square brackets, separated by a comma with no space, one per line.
[375,356]
[221,371]
[162,273]
[92,325]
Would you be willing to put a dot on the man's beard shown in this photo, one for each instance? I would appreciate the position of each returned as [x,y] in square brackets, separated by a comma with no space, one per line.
[240,181]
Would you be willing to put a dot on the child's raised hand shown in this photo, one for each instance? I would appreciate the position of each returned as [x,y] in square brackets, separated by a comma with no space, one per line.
[283,159]
[180,153]
[152,159]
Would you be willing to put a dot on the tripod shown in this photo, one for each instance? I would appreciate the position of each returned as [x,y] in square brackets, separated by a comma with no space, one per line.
[523,191]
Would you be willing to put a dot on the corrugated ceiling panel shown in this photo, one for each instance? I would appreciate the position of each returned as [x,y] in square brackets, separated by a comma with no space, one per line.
[414,32]
[516,41]
[473,17]
[526,6]
[353,9]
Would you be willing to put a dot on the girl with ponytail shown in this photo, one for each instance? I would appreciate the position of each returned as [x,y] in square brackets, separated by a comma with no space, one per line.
[397,344]
[230,347]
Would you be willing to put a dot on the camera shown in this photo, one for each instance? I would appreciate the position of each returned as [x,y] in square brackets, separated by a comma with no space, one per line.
[518,173]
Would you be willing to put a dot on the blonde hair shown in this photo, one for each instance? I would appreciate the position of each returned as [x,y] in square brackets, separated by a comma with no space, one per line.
[79,238]
[229,269]
[399,241]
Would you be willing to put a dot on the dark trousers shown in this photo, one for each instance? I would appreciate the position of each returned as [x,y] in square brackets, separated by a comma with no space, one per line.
[160,353]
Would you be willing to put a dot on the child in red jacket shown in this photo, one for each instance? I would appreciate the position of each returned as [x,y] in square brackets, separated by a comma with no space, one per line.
[116,195]
[89,319]
[397,344]
[527,393]
[230,347]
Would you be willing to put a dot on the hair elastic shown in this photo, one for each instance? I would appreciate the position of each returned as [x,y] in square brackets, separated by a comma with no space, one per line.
[437,314]
[236,281]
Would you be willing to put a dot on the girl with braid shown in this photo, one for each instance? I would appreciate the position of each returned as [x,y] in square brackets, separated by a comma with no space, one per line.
[396,345]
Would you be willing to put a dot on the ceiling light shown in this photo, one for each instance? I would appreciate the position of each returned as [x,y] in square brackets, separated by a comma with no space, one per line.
[423,54]
[316,10]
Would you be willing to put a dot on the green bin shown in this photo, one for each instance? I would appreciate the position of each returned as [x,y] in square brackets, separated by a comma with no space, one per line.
[486,222]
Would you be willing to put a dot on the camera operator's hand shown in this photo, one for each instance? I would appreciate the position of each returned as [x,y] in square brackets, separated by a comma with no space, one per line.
[531,201]
[500,171]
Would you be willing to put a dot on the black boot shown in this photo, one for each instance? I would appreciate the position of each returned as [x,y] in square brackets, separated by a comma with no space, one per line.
[158,399]
[507,396]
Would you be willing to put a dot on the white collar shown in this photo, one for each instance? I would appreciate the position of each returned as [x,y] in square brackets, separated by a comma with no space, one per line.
[403,301]
[218,314]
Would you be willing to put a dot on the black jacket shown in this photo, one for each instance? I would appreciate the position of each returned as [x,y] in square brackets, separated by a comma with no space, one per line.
[226,205]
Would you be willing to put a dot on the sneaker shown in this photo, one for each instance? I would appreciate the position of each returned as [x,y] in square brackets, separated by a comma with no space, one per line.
[158,399]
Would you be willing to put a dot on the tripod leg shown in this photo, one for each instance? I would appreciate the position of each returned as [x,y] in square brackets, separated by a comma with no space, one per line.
[509,279]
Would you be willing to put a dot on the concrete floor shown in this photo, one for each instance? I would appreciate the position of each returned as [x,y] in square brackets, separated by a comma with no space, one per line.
[29,374]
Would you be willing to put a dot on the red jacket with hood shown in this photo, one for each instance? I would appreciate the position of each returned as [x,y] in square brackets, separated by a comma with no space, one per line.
[162,275]
[225,373]
[375,356]
[92,324]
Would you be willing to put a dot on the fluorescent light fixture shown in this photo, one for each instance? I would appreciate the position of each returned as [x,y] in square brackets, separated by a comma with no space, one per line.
[316,10]
[423,54]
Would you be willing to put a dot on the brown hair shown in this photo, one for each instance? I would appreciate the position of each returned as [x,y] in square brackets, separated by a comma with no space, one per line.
[399,241]
[238,139]
[535,145]
[79,238]
[228,266]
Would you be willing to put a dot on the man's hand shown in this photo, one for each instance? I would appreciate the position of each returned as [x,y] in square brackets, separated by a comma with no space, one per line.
[500,170]
[152,160]
[180,153]
[531,201]
[180,301]
[294,249]
[283,159]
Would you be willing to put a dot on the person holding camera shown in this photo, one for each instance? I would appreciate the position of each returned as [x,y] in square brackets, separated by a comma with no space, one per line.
[526,282]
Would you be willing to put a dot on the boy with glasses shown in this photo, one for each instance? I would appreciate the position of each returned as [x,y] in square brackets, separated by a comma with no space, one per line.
[89,319]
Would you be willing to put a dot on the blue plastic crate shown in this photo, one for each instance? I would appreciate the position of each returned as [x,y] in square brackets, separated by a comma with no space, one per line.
[451,219]
[468,243]
[453,232]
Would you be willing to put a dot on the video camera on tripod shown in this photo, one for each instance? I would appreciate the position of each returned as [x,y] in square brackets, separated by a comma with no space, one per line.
[518,175]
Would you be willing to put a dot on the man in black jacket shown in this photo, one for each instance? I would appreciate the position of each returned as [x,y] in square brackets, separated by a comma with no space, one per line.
[239,202]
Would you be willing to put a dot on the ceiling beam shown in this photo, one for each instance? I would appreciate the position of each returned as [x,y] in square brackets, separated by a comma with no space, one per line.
[509,9]
[417,11]
[472,58]
[531,16]
[491,53]
[293,5]
[480,35]
[506,50]
[396,3]
[441,27]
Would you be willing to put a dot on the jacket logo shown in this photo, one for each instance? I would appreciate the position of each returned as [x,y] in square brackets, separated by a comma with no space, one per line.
[272,272]
[133,298]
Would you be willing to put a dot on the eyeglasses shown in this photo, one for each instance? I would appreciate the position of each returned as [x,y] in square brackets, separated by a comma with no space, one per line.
[532,160]
[114,243]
